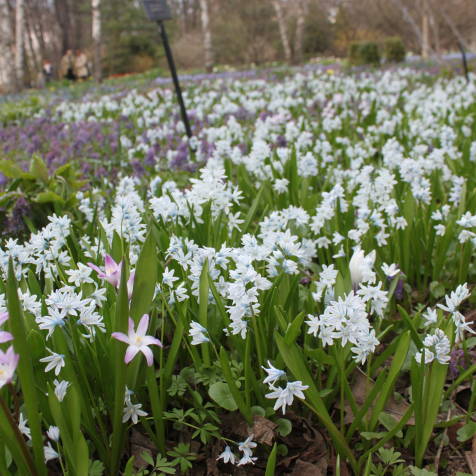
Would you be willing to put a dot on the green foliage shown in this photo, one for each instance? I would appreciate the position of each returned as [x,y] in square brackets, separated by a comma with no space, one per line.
[38,193]
[15,112]
[394,50]
[241,37]
[364,53]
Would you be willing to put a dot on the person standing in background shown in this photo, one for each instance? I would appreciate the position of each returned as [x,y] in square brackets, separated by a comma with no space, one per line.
[81,65]
[66,69]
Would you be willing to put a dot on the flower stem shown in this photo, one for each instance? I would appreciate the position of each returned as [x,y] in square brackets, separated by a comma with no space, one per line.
[19,438]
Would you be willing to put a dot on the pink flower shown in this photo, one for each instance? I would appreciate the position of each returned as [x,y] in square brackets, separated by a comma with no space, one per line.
[8,364]
[4,335]
[137,341]
[112,274]
[112,271]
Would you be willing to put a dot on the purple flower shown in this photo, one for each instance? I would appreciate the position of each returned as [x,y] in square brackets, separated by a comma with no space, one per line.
[8,364]
[4,335]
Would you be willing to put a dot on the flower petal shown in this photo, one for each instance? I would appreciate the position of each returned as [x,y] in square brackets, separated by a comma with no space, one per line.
[143,325]
[120,336]
[149,356]
[131,352]
[110,266]
[5,337]
[149,340]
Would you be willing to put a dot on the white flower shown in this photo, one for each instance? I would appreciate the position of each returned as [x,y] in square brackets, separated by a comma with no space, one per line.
[246,459]
[247,446]
[430,316]
[22,426]
[54,318]
[227,456]
[132,412]
[285,396]
[390,270]
[55,362]
[60,388]
[437,346]
[273,374]
[377,297]
[53,433]
[455,298]
[197,333]
[49,452]
[80,276]
[360,267]
[168,277]
[281,185]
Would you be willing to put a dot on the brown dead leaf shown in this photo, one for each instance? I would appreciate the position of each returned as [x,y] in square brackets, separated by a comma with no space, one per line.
[361,388]
[303,468]
[471,457]
[141,444]
[263,430]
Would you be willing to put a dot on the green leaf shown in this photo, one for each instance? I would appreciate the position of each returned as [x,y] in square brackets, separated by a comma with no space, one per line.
[128,470]
[294,329]
[389,456]
[147,457]
[372,435]
[38,169]
[25,368]
[252,210]
[389,422]
[221,394]
[389,382]
[82,457]
[96,468]
[120,371]
[437,289]
[145,279]
[10,169]
[293,358]
[421,472]
[271,464]
[203,309]
[284,426]
[225,367]
[48,197]
[466,432]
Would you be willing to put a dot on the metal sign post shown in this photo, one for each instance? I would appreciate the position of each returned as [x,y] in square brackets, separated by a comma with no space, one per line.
[465,62]
[159,11]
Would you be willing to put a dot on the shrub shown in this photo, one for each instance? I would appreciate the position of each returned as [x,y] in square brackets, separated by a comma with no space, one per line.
[365,52]
[394,50]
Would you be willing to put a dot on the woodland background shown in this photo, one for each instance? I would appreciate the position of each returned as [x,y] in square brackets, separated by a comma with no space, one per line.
[119,39]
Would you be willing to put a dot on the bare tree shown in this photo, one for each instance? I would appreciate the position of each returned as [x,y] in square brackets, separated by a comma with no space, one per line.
[425,29]
[207,35]
[20,44]
[96,36]
[301,8]
[283,30]
[7,72]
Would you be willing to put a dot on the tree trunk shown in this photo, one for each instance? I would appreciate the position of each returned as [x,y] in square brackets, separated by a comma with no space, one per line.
[34,63]
[207,35]
[283,30]
[435,33]
[7,72]
[300,23]
[62,14]
[425,30]
[96,34]
[20,44]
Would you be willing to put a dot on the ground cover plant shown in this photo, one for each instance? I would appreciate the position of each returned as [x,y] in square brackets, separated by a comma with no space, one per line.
[297,298]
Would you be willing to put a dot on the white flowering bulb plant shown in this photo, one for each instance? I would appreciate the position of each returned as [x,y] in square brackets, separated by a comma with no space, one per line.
[316,269]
